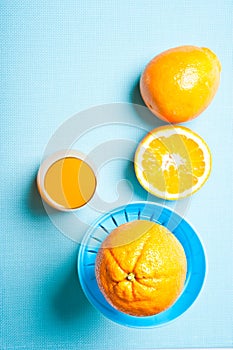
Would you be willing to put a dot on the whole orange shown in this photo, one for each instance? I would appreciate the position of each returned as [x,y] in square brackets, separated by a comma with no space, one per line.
[141,268]
[179,84]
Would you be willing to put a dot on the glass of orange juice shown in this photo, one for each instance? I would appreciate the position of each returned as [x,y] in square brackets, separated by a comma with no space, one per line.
[66,180]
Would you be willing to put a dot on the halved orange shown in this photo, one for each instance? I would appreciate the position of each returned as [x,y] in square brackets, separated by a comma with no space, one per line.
[144,276]
[172,162]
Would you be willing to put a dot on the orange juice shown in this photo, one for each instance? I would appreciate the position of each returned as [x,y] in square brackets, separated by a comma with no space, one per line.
[66,182]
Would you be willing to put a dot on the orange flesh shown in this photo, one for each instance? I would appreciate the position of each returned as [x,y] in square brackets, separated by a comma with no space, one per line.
[173,163]
[70,182]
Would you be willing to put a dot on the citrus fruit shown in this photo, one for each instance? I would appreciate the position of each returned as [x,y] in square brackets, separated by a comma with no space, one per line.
[172,162]
[178,84]
[143,276]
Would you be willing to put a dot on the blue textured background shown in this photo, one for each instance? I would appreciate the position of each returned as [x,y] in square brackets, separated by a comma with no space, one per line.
[59,57]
